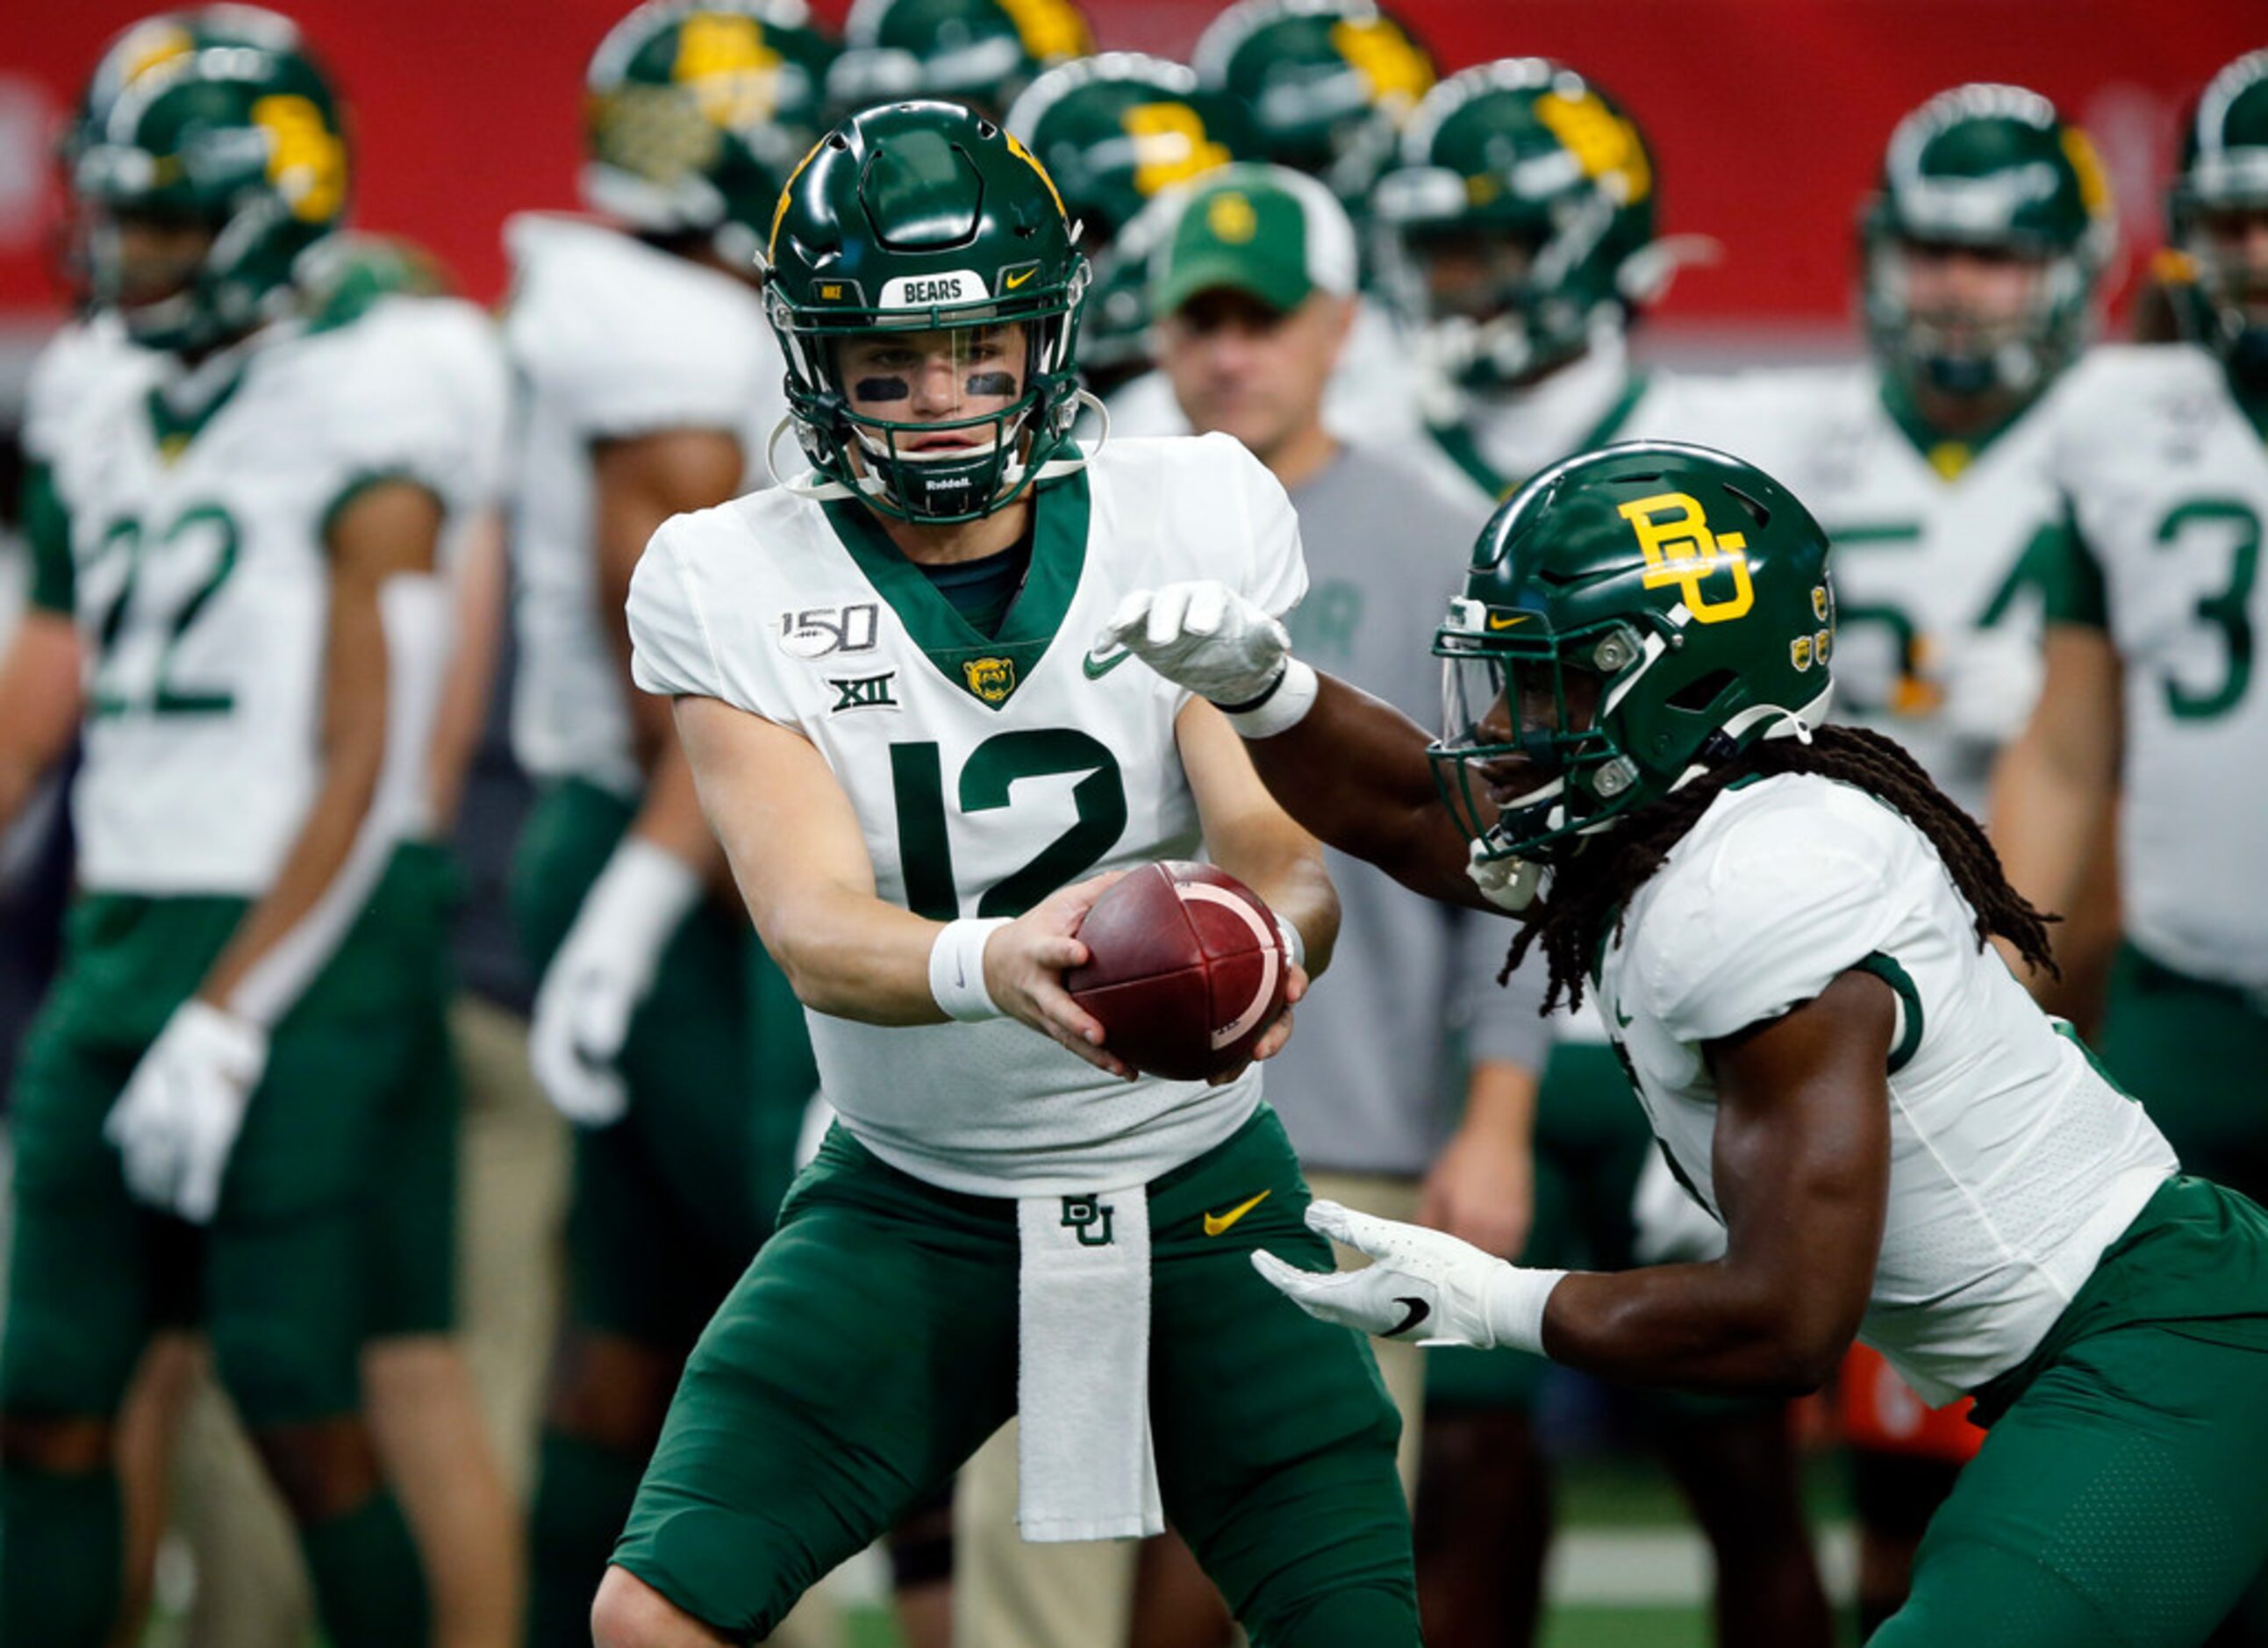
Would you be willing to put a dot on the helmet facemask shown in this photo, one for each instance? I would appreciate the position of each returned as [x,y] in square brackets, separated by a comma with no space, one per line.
[1529,756]
[1959,351]
[2231,287]
[984,395]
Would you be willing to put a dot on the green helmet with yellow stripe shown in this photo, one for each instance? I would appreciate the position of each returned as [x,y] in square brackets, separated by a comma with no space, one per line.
[1630,618]
[1520,218]
[245,142]
[926,218]
[695,111]
[983,53]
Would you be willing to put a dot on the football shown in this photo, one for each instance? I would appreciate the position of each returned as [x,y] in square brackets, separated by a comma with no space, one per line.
[1185,969]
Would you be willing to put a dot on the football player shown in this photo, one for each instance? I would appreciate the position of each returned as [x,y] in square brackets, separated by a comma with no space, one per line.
[1788,927]
[245,531]
[1326,84]
[915,765]
[649,386]
[2148,705]
[1928,465]
[1519,237]
[980,53]
[1115,132]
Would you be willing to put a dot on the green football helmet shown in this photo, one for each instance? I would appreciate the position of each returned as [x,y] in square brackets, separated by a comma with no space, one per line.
[244,141]
[2224,168]
[1994,168]
[1328,83]
[1116,131]
[695,111]
[926,216]
[1631,617]
[133,52]
[983,53]
[1539,190]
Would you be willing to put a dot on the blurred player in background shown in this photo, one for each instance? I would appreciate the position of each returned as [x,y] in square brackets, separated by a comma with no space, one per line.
[1790,926]
[997,1225]
[249,521]
[1519,235]
[2150,705]
[651,386]
[1117,132]
[1326,84]
[1928,465]
[978,53]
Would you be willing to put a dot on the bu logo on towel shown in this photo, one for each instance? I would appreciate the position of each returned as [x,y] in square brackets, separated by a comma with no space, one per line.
[1089,1218]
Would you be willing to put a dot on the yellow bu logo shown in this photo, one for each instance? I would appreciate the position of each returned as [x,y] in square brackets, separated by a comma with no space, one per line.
[1681,550]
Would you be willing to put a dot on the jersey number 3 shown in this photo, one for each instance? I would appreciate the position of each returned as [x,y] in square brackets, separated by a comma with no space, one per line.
[986,780]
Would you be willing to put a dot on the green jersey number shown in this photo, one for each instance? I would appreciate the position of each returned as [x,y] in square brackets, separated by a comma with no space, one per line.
[205,535]
[986,779]
[2228,611]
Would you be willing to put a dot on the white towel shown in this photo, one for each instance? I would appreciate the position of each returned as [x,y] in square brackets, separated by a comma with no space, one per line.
[1085,1470]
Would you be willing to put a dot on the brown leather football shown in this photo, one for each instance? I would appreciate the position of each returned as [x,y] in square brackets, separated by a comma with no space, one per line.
[1185,969]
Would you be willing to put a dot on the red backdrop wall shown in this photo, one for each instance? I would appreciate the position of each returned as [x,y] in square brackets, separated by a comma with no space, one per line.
[1768,114]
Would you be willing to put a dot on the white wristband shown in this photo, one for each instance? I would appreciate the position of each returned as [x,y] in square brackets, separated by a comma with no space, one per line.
[956,969]
[1284,706]
[1294,945]
[1514,1306]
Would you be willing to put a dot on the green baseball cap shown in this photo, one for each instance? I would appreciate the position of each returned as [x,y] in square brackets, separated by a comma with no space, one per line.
[1275,234]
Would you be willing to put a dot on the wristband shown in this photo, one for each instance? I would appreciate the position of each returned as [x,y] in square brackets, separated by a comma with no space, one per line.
[956,970]
[1294,945]
[1283,706]
[1514,1305]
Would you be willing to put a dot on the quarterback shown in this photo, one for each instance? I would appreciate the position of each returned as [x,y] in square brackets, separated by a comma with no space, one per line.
[917,767]
[1787,927]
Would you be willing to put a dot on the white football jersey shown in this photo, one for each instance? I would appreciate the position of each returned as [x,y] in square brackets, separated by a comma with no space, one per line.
[2168,480]
[609,337]
[985,773]
[2014,1163]
[1937,607]
[82,355]
[201,577]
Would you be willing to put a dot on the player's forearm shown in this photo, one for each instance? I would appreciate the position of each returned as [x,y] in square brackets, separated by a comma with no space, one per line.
[2048,814]
[1706,1327]
[483,587]
[317,855]
[851,956]
[1353,771]
[39,706]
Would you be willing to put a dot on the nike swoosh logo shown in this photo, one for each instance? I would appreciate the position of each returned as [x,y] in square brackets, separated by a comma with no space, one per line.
[1013,281]
[1417,1311]
[1621,1019]
[1216,1223]
[1097,668]
[1495,623]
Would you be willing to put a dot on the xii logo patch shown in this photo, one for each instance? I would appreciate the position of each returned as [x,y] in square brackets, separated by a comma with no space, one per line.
[1682,550]
[864,692]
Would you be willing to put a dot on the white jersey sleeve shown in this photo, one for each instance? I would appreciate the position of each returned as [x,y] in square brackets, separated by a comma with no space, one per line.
[1275,573]
[670,652]
[425,399]
[623,340]
[1765,917]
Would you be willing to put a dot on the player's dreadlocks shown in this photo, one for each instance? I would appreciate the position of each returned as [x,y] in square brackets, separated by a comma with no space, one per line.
[1615,864]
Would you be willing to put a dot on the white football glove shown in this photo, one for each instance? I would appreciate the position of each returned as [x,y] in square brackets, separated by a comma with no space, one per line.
[1509,883]
[1202,635]
[603,970]
[178,1118]
[1421,1280]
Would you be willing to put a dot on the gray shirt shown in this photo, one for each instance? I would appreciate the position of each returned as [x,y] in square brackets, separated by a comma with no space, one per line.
[1361,1086]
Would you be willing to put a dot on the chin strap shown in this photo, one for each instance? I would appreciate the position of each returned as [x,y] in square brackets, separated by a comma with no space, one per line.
[810,483]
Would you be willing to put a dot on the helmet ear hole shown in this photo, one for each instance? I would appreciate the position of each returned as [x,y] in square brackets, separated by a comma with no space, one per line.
[1699,693]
